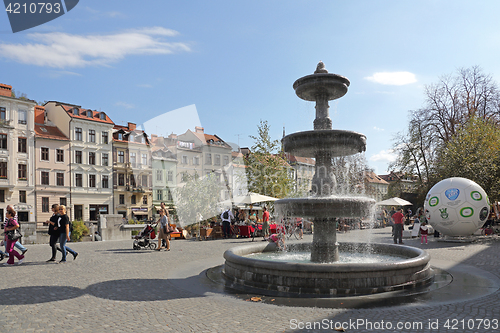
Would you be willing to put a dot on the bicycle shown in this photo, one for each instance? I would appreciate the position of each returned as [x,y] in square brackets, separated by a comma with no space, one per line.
[293,231]
[235,230]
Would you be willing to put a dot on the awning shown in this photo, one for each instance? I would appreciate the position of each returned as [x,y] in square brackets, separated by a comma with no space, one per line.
[169,207]
[140,213]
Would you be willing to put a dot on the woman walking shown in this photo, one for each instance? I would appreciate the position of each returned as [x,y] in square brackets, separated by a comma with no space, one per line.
[54,231]
[9,226]
[163,233]
[64,234]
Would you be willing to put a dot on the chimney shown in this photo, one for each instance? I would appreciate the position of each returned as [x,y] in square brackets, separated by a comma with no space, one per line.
[39,114]
[5,90]
[131,126]
[172,136]
[199,129]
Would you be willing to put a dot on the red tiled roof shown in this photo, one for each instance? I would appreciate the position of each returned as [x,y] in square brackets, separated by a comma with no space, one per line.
[305,160]
[49,132]
[82,114]
[373,178]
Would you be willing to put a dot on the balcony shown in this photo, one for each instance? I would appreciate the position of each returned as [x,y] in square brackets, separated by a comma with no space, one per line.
[6,123]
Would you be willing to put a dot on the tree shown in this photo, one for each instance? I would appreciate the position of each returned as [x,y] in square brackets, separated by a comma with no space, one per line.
[449,106]
[199,197]
[474,153]
[268,172]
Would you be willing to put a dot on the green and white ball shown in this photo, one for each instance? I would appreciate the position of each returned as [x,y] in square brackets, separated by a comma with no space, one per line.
[457,206]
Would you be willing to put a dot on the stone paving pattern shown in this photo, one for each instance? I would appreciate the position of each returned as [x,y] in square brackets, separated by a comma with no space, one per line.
[112,288]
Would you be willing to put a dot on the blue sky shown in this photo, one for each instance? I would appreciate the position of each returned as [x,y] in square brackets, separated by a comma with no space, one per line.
[236,61]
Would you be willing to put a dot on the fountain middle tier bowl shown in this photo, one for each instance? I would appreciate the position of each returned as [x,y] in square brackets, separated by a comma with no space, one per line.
[332,142]
[325,207]
[410,269]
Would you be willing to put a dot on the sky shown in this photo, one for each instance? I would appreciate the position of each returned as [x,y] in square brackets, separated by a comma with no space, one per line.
[227,65]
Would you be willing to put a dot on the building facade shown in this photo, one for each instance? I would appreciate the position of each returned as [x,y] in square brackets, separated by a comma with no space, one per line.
[132,173]
[91,171]
[164,173]
[17,142]
[52,161]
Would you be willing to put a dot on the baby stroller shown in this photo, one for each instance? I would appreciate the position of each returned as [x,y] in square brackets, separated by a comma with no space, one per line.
[144,240]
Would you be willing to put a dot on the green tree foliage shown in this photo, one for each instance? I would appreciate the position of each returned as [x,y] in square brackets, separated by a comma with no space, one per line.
[474,153]
[79,230]
[199,197]
[267,171]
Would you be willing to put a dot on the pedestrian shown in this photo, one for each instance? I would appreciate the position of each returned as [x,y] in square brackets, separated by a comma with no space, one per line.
[54,231]
[278,239]
[18,244]
[63,221]
[9,226]
[163,233]
[391,220]
[265,222]
[226,218]
[398,218]
[424,231]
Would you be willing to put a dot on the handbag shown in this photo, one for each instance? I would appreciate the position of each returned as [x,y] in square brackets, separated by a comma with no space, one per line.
[14,235]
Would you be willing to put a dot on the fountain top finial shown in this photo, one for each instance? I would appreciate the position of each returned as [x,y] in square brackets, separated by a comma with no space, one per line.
[320,68]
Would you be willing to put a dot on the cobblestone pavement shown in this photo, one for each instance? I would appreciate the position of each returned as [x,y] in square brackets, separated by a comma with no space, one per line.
[112,288]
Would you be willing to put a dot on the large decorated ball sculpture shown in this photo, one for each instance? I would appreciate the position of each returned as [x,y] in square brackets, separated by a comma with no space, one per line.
[456,206]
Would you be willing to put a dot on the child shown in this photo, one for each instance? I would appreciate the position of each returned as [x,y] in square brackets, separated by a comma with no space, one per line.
[424,230]
[275,238]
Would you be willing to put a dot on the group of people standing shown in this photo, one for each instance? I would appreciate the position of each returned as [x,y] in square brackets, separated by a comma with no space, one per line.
[239,216]
[398,219]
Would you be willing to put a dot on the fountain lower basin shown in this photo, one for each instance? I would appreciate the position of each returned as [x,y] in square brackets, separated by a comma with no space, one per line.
[327,279]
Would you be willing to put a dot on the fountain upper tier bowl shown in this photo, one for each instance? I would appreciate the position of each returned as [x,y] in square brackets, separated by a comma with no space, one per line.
[333,142]
[325,85]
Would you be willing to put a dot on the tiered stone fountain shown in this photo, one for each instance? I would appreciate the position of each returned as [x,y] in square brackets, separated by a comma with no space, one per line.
[324,275]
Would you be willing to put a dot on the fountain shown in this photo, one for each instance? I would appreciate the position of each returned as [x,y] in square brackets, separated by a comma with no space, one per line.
[325,275]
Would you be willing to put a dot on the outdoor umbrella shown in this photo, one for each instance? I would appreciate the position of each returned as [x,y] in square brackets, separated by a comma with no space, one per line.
[394,202]
[252,198]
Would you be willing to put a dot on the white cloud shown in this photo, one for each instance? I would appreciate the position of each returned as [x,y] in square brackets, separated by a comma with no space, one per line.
[392,78]
[62,50]
[384,156]
[378,129]
[125,105]
[145,85]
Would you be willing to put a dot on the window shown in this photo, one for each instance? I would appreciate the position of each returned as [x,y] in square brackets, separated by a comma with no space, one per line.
[62,201]
[3,114]
[144,199]
[121,156]
[92,158]
[22,118]
[217,159]
[159,175]
[22,196]
[21,171]
[91,180]
[159,195]
[102,116]
[121,179]
[78,134]
[45,178]
[144,180]
[45,154]
[122,199]
[2,195]
[169,195]
[78,180]
[132,200]
[91,135]
[105,138]
[226,160]
[144,159]
[3,141]
[196,160]
[3,170]
[184,159]
[45,205]
[130,138]
[133,159]
[170,176]
[208,159]
[105,160]
[89,114]
[78,156]
[105,182]
[59,155]
[120,136]
[60,179]
[132,180]
[75,111]
[21,145]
